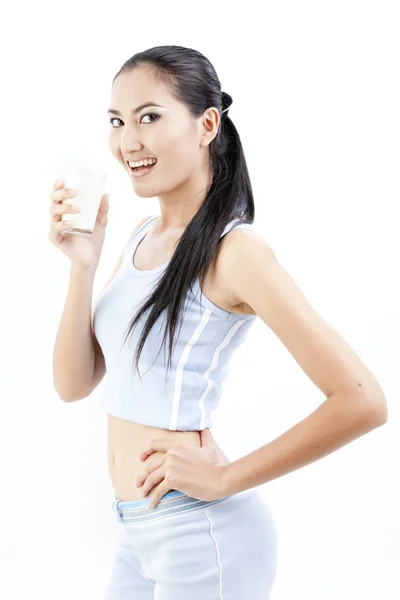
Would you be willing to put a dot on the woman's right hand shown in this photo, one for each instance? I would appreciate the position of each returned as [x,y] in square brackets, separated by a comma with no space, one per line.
[84,250]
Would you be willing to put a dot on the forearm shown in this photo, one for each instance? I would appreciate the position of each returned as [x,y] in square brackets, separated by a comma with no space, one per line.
[336,422]
[74,352]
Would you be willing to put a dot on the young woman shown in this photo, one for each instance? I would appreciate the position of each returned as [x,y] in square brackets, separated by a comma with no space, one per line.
[189,284]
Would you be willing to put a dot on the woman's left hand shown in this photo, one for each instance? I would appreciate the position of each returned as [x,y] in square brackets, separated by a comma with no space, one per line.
[196,472]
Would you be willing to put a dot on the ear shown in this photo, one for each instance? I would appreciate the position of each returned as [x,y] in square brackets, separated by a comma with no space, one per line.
[209,126]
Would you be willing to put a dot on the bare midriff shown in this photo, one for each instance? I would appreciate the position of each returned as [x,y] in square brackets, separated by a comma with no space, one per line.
[126,440]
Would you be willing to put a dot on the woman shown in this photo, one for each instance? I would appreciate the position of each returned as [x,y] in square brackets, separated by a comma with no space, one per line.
[190,283]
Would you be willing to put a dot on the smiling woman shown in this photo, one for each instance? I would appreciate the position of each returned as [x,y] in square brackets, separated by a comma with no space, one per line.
[188,287]
[171,274]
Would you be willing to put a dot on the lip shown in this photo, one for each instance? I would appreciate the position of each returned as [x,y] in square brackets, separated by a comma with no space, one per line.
[135,175]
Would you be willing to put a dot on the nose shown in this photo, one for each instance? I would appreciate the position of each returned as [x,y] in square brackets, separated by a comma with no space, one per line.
[129,141]
[130,148]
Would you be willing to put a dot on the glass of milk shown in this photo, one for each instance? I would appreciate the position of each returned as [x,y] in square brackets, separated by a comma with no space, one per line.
[89,185]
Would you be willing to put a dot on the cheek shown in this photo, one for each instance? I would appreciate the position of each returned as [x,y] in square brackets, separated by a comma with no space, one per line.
[174,141]
[177,152]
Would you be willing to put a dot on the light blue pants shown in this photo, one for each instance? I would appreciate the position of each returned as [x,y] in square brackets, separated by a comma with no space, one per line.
[188,549]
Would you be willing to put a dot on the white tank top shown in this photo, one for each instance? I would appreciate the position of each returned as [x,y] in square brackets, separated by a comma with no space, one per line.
[200,361]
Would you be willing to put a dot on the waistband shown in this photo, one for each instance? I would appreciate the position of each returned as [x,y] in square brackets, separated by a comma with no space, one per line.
[172,503]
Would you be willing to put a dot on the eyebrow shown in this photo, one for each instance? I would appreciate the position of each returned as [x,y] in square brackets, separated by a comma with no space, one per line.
[136,110]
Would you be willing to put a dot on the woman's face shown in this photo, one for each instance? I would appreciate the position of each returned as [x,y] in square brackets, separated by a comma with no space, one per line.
[167,132]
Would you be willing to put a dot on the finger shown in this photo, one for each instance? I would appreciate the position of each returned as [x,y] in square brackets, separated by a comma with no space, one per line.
[58,184]
[149,469]
[57,210]
[153,479]
[163,445]
[62,194]
[147,451]
[104,202]
[59,230]
[161,491]
[58,225]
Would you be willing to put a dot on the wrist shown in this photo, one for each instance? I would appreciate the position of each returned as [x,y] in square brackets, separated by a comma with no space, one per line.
[78,268]
[226,480]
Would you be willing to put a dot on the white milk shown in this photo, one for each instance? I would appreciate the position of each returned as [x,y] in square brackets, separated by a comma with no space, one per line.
[90,188]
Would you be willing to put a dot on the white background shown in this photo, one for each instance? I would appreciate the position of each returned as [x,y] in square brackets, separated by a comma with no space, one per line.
[316,103]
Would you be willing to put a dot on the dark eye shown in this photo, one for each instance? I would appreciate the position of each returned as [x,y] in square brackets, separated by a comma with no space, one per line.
[113,119]
[147,115]
[150,115]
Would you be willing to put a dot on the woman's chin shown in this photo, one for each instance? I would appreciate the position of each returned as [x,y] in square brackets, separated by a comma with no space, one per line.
[144,193]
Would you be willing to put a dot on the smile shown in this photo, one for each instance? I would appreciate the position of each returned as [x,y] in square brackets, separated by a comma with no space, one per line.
[141,171]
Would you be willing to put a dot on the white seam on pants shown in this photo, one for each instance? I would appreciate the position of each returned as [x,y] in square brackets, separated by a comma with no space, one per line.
[219,562]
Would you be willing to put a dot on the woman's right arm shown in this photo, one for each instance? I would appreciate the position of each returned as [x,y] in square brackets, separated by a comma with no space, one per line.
[74,350]
[78,361]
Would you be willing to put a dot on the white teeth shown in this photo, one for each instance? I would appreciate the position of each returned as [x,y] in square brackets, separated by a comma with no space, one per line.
[148,161]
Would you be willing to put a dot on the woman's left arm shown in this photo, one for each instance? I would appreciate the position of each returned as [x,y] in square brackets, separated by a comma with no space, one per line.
[342,418]
[355,403]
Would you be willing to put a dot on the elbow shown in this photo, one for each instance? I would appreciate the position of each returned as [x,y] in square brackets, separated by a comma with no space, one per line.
[374,402]
[368,404]
[68,398]
[376,409]
[75,398]
[65,399]
[381,412]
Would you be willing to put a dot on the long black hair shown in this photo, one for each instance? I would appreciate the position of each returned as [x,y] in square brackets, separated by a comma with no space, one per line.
[192,80]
